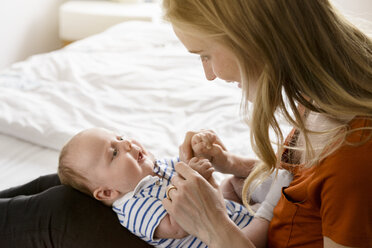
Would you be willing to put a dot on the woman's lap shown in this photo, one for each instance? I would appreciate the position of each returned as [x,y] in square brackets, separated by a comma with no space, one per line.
[45,214]
[31,188]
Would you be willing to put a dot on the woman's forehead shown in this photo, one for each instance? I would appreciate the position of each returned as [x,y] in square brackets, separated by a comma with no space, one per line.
[191,41]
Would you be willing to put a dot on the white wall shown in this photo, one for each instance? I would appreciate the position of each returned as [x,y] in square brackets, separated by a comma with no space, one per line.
[27,27]
[359,12]
[358,8]
[31,26]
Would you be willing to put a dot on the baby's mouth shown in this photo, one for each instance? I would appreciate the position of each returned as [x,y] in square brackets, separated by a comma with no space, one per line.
[140,156]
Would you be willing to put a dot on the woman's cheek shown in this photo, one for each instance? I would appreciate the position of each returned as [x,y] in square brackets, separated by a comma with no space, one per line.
[220,72]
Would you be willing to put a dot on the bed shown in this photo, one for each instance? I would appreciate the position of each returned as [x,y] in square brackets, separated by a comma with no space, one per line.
[135,78]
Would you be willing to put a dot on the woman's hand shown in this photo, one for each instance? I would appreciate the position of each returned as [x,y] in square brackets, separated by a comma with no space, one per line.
[185,149]
[196,204]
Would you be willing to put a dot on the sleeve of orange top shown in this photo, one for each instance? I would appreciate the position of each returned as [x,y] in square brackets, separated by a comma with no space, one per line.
[346,196]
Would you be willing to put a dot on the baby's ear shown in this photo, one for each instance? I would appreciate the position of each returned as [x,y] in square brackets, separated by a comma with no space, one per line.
[105,194]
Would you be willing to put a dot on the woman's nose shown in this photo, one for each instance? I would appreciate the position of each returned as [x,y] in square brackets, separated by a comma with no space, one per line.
[208,71]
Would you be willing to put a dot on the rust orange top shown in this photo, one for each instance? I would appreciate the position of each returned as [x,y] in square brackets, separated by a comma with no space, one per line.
[332,199]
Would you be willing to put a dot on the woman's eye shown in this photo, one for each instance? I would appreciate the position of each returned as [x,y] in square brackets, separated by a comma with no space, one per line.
[204,58]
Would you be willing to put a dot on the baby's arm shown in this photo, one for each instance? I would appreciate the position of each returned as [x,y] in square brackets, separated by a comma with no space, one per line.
[257,230]
[169,228]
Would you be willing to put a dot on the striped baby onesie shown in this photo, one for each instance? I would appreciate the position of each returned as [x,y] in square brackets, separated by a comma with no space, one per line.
[141,210]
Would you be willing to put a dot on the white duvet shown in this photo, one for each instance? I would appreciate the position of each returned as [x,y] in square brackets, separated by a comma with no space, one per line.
[135,78]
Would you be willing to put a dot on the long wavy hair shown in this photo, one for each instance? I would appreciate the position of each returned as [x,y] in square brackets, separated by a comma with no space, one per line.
[303,53]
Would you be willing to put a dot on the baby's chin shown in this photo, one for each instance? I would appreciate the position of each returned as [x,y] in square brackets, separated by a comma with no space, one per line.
[151,156]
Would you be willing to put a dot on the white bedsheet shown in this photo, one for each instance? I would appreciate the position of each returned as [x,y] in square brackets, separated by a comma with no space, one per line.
[135,78]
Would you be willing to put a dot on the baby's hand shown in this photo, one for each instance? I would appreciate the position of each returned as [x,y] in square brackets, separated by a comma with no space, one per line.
[207,144]
[202,166]
[202,143]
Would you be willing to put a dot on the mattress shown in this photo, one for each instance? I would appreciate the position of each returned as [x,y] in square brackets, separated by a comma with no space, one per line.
[135,78]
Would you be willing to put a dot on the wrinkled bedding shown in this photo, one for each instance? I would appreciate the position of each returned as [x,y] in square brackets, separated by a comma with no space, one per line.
[135,78]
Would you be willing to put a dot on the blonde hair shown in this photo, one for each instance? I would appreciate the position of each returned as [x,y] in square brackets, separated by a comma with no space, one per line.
[69,175]
[303,49]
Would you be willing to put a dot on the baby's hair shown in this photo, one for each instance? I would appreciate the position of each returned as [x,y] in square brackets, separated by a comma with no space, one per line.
[70,176]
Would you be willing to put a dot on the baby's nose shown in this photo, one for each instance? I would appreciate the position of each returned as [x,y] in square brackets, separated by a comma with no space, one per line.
[127,144]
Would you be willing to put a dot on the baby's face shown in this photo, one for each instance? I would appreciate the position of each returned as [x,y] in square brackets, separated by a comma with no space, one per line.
[110,160]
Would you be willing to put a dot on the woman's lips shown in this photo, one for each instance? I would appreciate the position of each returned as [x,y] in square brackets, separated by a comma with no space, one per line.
[239,84]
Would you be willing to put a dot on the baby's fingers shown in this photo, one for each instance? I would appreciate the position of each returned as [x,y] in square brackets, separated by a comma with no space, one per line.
[194,160]
[202,147]
[208,173]
[209,137]
[202,166]
[206,138]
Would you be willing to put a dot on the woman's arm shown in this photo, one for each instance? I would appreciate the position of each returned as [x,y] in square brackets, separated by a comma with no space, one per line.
[199,208]
[253,235]
[239,166]
[229,235]
[168,227]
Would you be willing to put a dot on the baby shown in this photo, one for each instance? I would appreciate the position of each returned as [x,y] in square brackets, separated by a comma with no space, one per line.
[121,173]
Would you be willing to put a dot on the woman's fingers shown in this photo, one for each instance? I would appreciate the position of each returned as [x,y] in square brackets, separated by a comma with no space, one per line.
[185,172]
[170,188]
[195,203]
[185,149]
[168,206]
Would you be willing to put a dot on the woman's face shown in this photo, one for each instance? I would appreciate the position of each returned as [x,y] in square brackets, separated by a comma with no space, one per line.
[217,60]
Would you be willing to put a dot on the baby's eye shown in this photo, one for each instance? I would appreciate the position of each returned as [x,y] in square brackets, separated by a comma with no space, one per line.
[120,138]
[115,153]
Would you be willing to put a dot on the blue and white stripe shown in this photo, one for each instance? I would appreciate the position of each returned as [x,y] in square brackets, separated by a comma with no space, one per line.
[141,210]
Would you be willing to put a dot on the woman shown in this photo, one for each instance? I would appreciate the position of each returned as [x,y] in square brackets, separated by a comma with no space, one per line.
[303,48]
[322,64]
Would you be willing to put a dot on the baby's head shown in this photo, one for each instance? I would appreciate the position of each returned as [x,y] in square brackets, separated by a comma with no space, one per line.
[103,165]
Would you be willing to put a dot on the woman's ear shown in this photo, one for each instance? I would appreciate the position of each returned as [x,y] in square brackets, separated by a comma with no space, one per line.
[105,194]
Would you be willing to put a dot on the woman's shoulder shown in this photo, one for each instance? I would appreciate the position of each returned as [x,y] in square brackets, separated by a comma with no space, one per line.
[360,131]
[354,157]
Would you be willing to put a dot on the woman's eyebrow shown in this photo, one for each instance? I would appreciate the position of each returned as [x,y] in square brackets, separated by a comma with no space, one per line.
[195,51]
